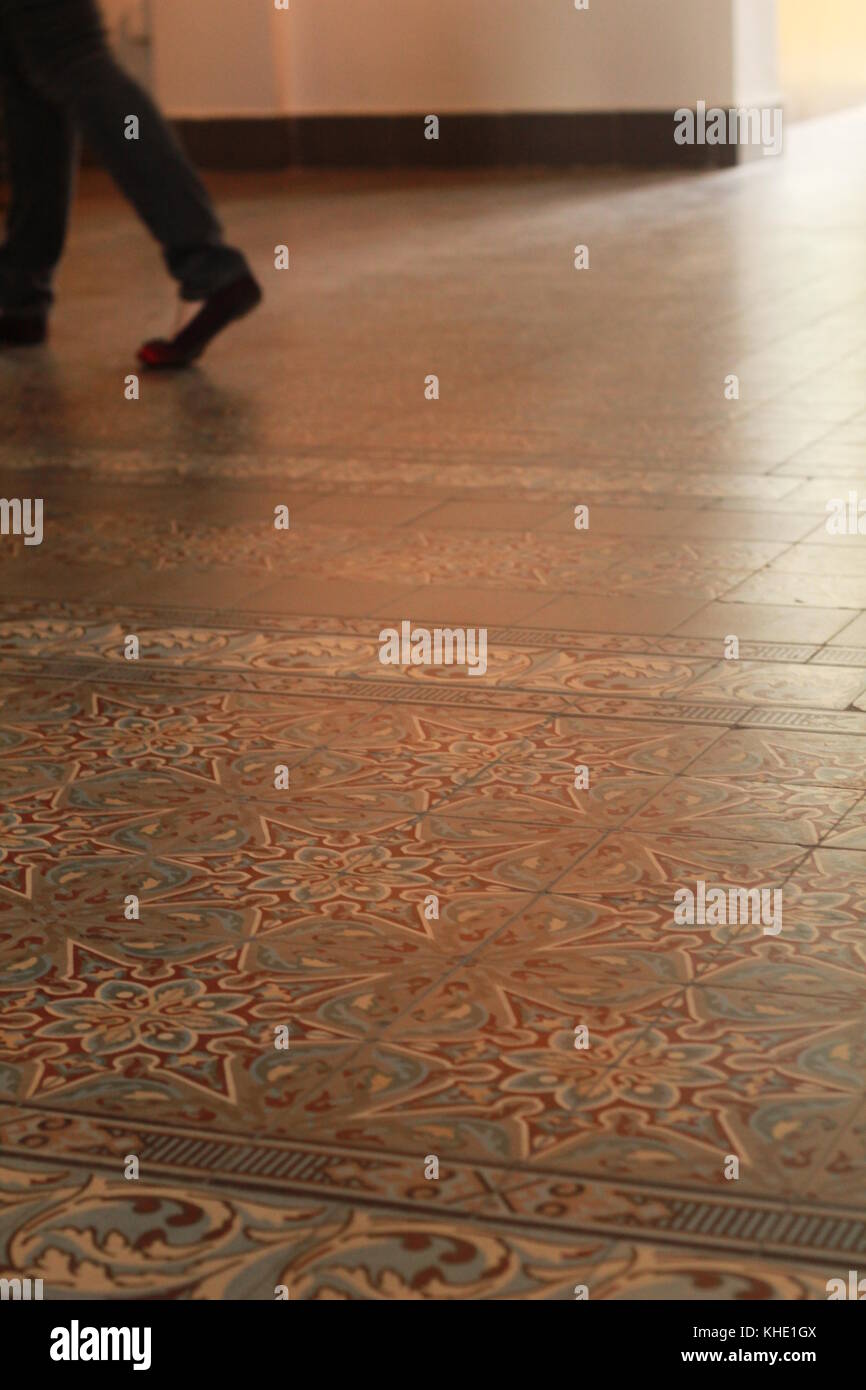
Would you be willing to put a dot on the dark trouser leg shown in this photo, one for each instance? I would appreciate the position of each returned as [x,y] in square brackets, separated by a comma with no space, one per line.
[41,148]
[61,47]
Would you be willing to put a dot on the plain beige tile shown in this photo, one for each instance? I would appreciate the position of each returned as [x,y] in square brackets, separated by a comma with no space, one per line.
[377,513]
[852,635]
[683,524]
[588,613]
[444,604]
[185,586]
[765,622]
[328,597]
[494,516]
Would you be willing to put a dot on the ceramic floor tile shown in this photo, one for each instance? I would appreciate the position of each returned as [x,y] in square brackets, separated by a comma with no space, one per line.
[441,854]
[430,937]
[356,598]
[810,590]
[752,682]
[853,634]
[656,864]
[248,1237]
[589,613]
[621,674]
[729,809]
[842,562]
[51,578]
[839,1172]
[548,798]
[765,622]
[692,524]
[384,512]
[810,957]
[769,1081]
[439,605]
[606,746]
[776,755]
[850,833]
[496,516]
[827,889]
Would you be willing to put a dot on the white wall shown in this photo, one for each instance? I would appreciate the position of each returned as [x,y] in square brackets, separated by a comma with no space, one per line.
[242,57]
[220,57]
[505,55]
[823,55]
[756,52]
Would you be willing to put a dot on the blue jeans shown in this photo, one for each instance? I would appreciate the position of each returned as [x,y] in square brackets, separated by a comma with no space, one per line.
[59,78]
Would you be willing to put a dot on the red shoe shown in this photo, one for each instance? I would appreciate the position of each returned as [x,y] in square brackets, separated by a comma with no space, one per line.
[230,303]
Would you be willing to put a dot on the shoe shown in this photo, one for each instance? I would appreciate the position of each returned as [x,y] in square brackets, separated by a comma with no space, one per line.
[22,330]
[221,309]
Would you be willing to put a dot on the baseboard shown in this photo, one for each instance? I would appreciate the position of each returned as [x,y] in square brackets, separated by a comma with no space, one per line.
[635,139]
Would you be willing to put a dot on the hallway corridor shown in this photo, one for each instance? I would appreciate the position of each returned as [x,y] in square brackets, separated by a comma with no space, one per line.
[432,908]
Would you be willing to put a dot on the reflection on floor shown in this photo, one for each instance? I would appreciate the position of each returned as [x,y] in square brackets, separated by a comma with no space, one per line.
[414,1036]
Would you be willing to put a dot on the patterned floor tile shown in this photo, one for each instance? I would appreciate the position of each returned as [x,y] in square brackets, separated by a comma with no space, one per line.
[752,682]
[809,959]
[723,1074]
[290,923]
[495,1100]
[839,1172]
[88,1236]
[656,865]
[746,810]
[775,755]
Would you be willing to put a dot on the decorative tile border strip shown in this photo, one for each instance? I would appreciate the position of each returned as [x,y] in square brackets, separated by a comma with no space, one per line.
[429,693]
[72,659]
[165,615]
[819,721]
[465,696]
[564,1203]
[806,1231]
[839,656]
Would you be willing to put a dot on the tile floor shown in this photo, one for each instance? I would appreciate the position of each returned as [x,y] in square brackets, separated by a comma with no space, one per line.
[452,1037]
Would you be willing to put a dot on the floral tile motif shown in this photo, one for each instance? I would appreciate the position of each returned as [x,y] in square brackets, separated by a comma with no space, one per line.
[258,834]
[757,683]
[743,810]
[829,888]
[655,677]
[146,1024]
[810,957]
[620,746]
[723,1072]
[401,1099]
[850,832]
[92,888]
[627,862]
[510,792]
[638,926]
[839,1174]
[777,755]
[86,1237]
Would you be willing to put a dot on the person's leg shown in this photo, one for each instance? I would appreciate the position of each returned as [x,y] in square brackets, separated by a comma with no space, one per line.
[62,49]
[40,150]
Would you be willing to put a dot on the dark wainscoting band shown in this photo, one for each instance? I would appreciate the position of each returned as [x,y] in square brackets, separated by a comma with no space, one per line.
[636,139]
